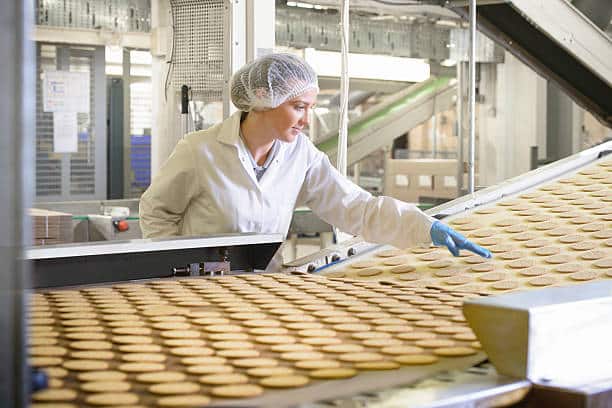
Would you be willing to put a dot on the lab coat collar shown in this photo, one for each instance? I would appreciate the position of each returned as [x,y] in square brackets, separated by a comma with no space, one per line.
[229,133]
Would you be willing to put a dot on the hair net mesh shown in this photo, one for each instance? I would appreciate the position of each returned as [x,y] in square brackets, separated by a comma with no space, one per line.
[268,81]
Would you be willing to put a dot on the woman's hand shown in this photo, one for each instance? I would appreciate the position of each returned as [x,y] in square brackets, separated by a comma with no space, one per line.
[442,234]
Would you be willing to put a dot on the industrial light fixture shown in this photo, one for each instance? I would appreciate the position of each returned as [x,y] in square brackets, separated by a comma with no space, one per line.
[369,66]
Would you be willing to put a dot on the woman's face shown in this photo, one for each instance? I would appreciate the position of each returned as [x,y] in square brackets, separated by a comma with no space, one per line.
[287,120]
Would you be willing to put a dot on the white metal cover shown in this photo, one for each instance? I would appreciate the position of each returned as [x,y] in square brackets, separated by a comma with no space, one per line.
[198,38]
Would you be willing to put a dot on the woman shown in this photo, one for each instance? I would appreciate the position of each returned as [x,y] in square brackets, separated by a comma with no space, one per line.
[249,172]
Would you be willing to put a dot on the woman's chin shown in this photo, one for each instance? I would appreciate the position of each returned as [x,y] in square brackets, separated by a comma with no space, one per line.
[290,136]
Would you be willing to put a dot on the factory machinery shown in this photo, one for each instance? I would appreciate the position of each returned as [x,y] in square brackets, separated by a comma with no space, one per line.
[221,321]
[203,321]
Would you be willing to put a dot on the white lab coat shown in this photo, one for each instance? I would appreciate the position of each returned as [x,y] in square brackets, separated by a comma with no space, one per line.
[207,187]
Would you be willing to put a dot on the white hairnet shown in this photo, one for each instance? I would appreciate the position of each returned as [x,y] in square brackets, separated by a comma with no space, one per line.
[268,81]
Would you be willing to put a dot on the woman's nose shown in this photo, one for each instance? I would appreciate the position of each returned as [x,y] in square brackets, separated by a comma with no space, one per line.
[304,119]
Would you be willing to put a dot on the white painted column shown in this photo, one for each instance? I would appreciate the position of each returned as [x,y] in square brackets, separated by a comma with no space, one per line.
[260,28]
[511,119]
[165,131]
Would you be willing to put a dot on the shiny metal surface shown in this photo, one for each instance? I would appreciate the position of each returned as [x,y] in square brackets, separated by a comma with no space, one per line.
[559,335]
[478,386]
[552,395]
[17,101]
[149,245]
[521,183]
[472,98]
[365,387]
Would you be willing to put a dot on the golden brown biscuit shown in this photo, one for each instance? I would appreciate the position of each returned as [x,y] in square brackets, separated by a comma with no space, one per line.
[106,386]
[568,268]
[492,276]
[399,260]
[85,365]
[173,388]
[255,362]
[533,271]
[360,357]
[376,365]
[44,361]
[363,264]
[522,263]
[54,395]
[483,267]
[233,353]
[583,275]
[237,391]
[316,364]
[416,359]
[505,285]
[141,367]
[583,246]
[161,377]
[224,379]
[370,272]
[284,381]
[92,355]
[193,400]
[140,348]
[594,254]
[56,372]
[333,373]
[547,251]
[454,351]
[603,263]
[270,371]
[112,398]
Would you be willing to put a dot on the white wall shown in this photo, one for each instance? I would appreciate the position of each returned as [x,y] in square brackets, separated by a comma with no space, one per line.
[511,119]
[164,135]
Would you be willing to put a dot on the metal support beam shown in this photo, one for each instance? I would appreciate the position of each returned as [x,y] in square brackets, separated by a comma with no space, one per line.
[85,36]
[260,28]
[17,107]
[472,98]
[416,38]
[235,47]
[126,122]
[363,140]
[460,130]
[100,139]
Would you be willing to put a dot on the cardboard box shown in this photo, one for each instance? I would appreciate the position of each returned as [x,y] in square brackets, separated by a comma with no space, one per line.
[50,227]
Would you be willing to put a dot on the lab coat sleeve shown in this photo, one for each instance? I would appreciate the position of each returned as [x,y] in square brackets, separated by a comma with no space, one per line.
[382,220]
[163,204]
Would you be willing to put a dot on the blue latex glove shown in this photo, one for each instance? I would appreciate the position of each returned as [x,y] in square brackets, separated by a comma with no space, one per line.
[442,234]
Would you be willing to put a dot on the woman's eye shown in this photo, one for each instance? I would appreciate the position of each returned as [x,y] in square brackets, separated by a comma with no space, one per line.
[299,107]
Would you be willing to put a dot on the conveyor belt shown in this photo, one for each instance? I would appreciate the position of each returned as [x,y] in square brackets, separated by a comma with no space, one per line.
[379,126]
[556,234]
[175,321]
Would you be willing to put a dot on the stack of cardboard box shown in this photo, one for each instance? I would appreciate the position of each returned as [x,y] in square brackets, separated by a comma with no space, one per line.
[50,227]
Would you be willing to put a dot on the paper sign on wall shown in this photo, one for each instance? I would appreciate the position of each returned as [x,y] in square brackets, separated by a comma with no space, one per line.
[65,91]
[65,132]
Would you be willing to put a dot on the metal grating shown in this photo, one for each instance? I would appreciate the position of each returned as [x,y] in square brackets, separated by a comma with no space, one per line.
[82,163]
[197,47]
[421,38]
[65,176]
[141,94]
[48,165]
[115,15]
